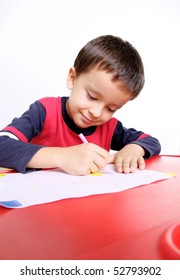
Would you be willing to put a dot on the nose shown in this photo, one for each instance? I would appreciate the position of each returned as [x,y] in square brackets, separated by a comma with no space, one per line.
[95,111]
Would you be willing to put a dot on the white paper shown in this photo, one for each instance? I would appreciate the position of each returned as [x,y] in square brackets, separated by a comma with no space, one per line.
[22,190]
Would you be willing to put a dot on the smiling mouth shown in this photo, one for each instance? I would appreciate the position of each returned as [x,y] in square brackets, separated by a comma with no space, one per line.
[87,120]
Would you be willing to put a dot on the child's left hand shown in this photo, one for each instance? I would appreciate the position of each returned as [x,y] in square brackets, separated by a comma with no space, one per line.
[128,159]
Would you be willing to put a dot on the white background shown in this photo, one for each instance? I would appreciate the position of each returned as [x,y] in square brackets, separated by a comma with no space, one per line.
[39,40]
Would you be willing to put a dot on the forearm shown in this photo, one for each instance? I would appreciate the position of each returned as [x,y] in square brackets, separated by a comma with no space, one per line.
[123,136]
[47,157]
[20,156]
[76,160]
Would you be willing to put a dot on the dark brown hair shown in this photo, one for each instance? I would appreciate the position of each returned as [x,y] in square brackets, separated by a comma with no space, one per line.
[116,56]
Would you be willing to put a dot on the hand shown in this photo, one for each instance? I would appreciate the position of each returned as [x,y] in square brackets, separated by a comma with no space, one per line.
[76,160]
[128,159]
[83,159]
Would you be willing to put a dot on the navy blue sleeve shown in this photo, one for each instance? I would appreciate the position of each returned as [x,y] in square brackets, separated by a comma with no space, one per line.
[31,122]
[123,136]
[15,153]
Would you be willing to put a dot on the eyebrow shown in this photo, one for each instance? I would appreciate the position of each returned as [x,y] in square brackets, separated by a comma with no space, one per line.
[94,90]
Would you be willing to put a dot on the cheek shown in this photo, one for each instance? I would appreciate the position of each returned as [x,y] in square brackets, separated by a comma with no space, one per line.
[77,102]
[106,116]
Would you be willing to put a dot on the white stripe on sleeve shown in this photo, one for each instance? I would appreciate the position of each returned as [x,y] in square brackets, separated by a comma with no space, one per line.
[9,134]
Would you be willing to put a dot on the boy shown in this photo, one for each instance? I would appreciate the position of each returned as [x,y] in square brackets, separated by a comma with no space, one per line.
[107,73]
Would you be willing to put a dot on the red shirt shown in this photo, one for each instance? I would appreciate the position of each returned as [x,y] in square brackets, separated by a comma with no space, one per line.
[56,133]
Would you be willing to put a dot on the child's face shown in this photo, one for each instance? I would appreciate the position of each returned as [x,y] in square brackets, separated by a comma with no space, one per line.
[94,97]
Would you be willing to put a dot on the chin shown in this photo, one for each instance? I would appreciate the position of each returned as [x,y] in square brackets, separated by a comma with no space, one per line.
[83,126]
[80,124]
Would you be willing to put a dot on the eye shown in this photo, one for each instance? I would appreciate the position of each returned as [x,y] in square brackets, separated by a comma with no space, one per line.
[90,96]
[111,110]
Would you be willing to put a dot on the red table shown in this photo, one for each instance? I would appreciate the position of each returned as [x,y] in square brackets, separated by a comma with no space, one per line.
[124,225]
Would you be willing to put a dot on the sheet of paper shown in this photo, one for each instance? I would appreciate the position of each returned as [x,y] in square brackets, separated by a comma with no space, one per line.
[22,190]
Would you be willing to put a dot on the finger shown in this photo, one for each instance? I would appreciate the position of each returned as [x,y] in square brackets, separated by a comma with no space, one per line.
[94,168]
[133,165]
[99,161]
[118,166]
[141,163]
[126,166]
[101,152]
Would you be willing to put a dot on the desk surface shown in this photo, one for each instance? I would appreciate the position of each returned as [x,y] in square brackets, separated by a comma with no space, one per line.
[124,225]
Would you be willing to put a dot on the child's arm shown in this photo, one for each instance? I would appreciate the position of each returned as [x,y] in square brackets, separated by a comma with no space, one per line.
[129,159]
[76,160]
[132,146]
[16,154]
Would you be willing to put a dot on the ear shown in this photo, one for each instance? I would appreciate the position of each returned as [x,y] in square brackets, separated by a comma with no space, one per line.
[71,78]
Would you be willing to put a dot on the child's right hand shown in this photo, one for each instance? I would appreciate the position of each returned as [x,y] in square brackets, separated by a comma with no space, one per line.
[76,160]
[83,159]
